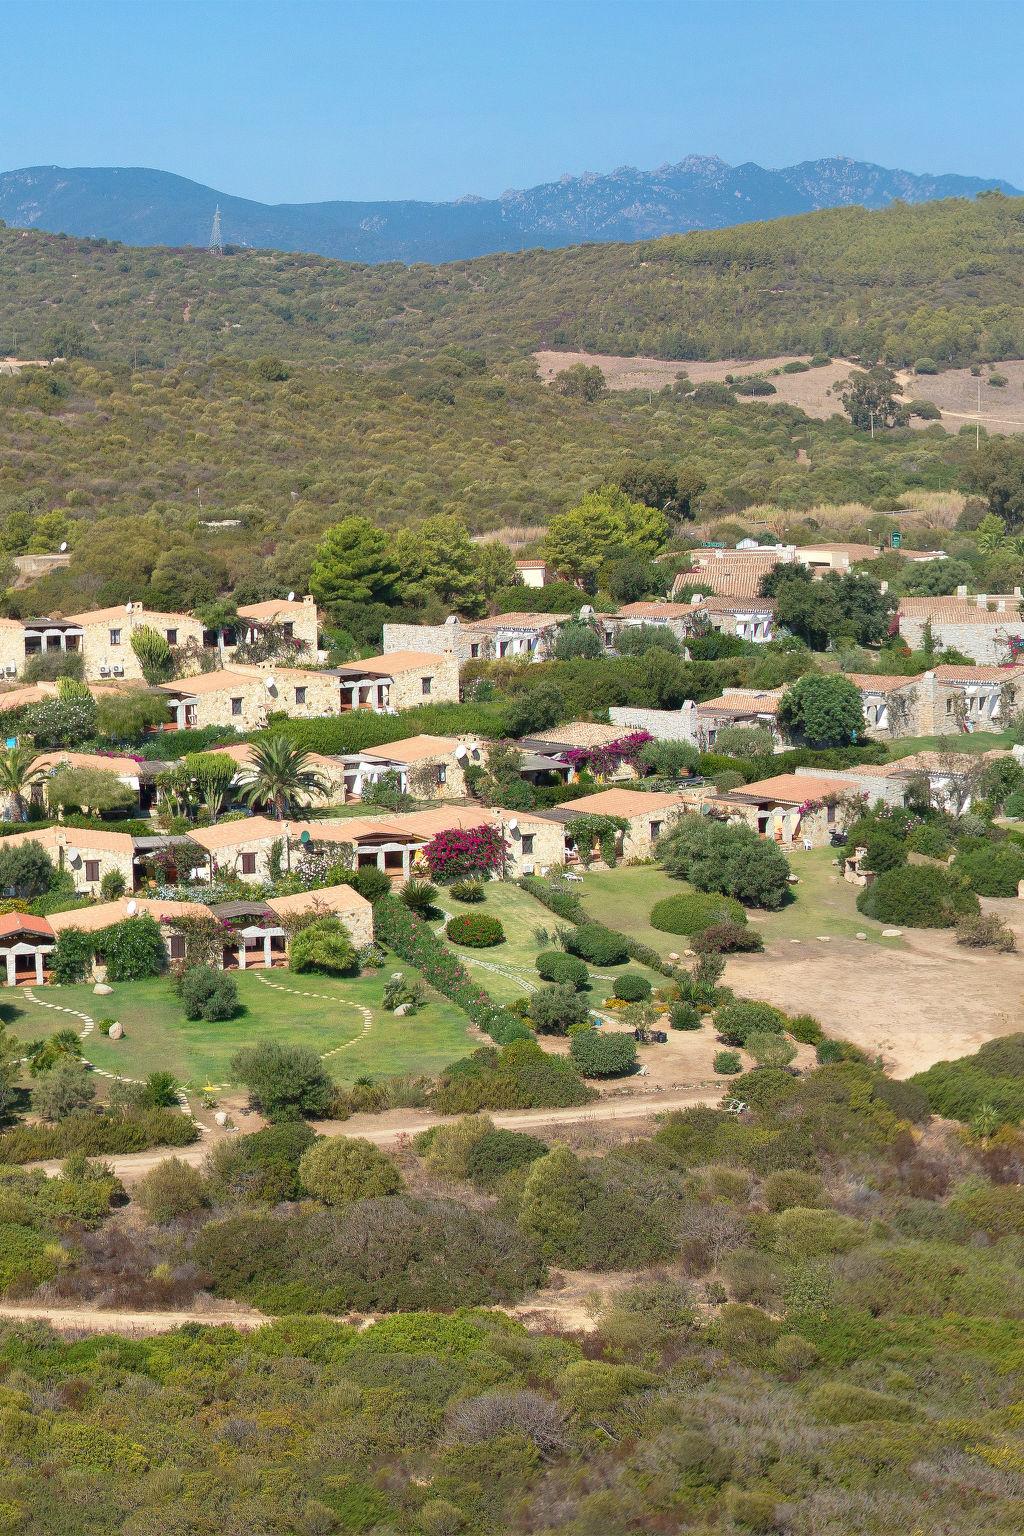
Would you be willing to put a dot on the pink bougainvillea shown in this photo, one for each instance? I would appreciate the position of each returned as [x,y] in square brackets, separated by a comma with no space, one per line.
[458,854]
[603,760]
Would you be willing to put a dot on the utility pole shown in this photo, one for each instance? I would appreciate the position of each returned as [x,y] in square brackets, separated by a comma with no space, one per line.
[216,246]
[872,415]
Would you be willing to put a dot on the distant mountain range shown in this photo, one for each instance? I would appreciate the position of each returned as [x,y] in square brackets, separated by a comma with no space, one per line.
[145,207]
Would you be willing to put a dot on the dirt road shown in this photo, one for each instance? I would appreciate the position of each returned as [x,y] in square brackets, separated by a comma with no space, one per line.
[402,1124]
[87,1320]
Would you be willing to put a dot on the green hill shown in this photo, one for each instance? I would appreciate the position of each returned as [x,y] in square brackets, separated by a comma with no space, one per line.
[938,279]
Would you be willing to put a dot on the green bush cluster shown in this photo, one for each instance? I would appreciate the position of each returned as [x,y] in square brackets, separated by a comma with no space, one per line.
[917,896]
[475,930]
[692,912]
[555,965]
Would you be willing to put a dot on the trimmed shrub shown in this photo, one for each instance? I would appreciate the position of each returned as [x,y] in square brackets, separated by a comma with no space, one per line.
[567,970]
[727,939]
[684,1016]
[631,987]
[340,1169]
[735,1022]
[554,1010]
[499,1152]
[475,930]
[602,1053]
[991,869]
[917,896]
[419,896]
[727,1063]
[692,912]
[324,946]
[469,891]
[597,944]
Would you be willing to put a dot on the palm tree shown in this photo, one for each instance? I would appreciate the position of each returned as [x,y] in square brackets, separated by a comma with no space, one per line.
[281,776]
[18,774]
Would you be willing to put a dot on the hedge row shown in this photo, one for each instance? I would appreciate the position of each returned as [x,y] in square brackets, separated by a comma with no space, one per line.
[398,928]
[567,905]
[361,728]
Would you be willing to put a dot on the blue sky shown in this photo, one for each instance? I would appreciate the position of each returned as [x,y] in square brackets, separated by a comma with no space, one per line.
[292,100]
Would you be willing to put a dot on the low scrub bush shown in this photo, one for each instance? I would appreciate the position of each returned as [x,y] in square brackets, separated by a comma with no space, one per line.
[989,868]
[684,1016]
[98,1135]
[727,1063]
[340,1169]
[475,930]
[692,912]
[499,1152]
[172,1190]
[917,896]
[735,1022]
[557,1009]
[727,939]
[208,993]
[603,1053]
[260,1168]
[469,891]
[986,931]
[518,1076]
[568,970]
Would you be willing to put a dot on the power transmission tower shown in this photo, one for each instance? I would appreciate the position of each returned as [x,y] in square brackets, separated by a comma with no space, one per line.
[216,245]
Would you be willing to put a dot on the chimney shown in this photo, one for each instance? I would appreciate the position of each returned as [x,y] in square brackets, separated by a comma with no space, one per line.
[981,601]
[309,599]
[961,591]
[1018,594]
[1001,605]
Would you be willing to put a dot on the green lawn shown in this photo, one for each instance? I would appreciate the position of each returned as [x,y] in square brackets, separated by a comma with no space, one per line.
[508,970]
[329,1022]
[976,741]
[822,904]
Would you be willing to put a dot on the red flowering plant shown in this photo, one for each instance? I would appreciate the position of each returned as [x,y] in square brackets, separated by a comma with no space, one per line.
[461,854]
[604,760]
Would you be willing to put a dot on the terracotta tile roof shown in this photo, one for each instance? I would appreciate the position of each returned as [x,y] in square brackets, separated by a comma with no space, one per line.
[23,922]
[71,838]
[871,682]
[743,701]
[951,673]
[581,733]
[523,620]
[963,610]
[16,698]
[715,604]
[333,898]
[931,762]
[90,919]
[792,788]
[620,802]
[414,749]
[247,829]
[855,551]
[112,615]
[275,607]
[728,572]
[214,682]
[394,661]
[531,565]
[127,766]
[656,610]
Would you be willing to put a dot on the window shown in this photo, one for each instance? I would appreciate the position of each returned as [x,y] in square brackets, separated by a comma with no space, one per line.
[115,637]
[236,706]
[92,870]
[527,842]
[442,774]
[656,827]
[830,816]
[949,706]
[248,863]
[176,946]
[426,683]
[474,649]
[172,637]
[288,630]
[300,695]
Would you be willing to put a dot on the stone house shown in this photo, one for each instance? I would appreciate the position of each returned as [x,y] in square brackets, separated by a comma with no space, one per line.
[12,648]
[428,767]
[237,699]
[553,752]
[105,637]
[663,724]
[533,573]
[26,944]
[340,901]
[792,809]
[137,775]
[750,618]
[330,769]
[731,572]
[891,704]
[86,853]
[648,815]
[747,708]
[675,617]
[296,619]
[988,629]
[397,680]
[242,848]
[298,692]
[962,699]
[950,776]
[528,636]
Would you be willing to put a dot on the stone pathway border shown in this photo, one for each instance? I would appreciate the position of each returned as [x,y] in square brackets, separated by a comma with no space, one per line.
[324,997]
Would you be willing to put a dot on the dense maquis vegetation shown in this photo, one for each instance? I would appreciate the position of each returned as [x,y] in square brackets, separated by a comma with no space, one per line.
[936,280]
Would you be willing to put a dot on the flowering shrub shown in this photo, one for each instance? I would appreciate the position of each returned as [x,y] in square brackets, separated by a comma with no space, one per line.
[477,930]
[459,854]
[603,760]
[399,929]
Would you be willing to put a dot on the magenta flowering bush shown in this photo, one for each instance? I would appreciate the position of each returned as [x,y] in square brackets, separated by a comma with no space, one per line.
[460,853]
[603,760]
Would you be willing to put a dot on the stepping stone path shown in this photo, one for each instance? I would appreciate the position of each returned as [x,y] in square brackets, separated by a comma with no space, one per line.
[367,1013]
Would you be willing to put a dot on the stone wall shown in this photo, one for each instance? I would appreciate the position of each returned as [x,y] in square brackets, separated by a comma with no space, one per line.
[663,724]
[443,674]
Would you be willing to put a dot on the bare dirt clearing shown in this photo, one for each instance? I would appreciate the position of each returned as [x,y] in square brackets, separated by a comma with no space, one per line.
[954,392]
[925,1002]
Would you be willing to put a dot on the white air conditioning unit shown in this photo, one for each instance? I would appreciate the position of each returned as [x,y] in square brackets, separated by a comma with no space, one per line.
[528,868]
[11,671]
[104,671]
[119,671]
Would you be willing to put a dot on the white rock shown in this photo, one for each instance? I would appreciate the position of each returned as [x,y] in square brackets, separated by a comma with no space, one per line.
[116,1032]
[892,933]
[220,1116]
[401,1011]
[823,938]
[673,956]
[862,935]
[101,989]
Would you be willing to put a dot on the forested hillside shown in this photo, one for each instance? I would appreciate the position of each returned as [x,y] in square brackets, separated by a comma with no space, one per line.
[938,280]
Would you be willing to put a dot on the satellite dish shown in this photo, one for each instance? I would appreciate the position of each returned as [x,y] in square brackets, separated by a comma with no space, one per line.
[304,838]
[64,547]
[291,597]
[460,752]
[127,607]
[513,823]
[131,907]
[452,618]
[587,611]
[271,683]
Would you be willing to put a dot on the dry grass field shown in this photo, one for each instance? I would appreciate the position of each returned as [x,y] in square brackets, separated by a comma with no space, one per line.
[816,392]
